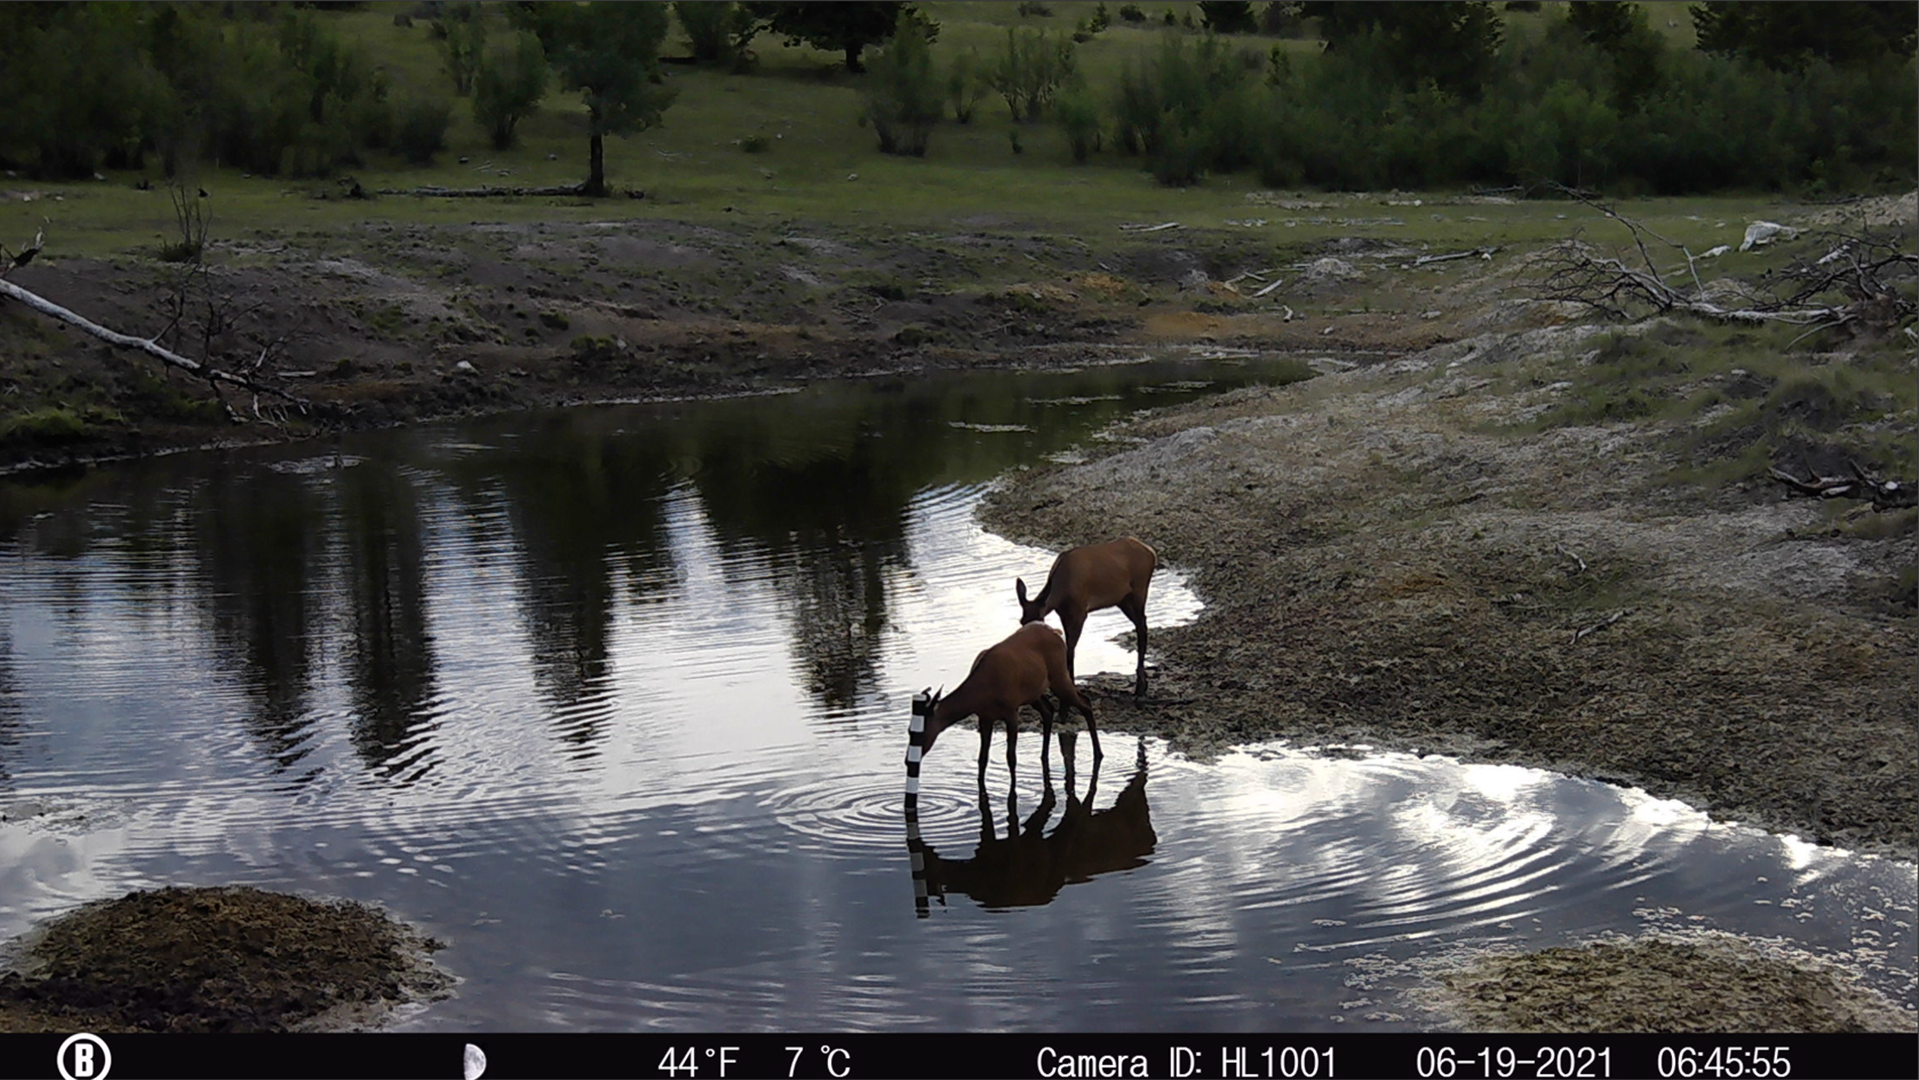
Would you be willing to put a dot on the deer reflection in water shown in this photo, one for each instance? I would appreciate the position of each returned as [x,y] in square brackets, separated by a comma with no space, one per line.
[1028,866]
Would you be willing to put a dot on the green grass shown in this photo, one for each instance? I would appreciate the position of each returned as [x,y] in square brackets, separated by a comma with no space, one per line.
[1741,398]
[56,424]
[819,169]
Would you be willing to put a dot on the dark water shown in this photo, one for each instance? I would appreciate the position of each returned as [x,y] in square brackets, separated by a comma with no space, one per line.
[614,700]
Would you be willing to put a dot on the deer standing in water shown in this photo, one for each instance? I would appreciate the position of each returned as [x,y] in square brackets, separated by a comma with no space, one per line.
[1088,579]
[1005,678]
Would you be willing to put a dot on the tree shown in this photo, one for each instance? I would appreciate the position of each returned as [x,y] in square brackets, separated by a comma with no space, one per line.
[1621,31]
[717,33]
[902,90]
[1783,36]
[1031,70]
[1451,43]
[464,44]
[508,86]
[846,28]
[610,53]
[1228,16]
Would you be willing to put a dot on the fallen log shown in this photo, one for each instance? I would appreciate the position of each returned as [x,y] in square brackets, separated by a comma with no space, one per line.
[146,345]
[434,191]
[1884,494]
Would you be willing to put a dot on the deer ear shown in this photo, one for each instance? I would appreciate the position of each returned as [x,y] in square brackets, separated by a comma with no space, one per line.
[1019,589]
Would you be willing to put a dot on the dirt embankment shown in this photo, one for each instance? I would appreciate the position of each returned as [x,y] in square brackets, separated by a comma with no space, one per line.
[382,324]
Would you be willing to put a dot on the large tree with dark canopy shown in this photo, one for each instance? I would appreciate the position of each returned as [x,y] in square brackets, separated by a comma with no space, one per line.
[610,53]
[846,28]
[1451,43]
[1784,36]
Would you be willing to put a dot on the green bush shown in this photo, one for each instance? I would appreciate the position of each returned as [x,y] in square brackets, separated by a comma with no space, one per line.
[1031,70]
[903,95]
[420,130]
[508,86]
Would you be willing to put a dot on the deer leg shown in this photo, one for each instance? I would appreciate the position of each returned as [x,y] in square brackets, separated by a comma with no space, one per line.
[1012,724]
[1072,622]
[1046,712]
[1136,611]
[1094,732]
[985,744]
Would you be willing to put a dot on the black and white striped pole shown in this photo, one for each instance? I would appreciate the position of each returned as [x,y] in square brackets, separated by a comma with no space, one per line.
[915,750]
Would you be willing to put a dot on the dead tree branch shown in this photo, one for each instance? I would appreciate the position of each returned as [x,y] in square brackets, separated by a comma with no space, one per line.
[1859,270]
[1884,494]
[151,347]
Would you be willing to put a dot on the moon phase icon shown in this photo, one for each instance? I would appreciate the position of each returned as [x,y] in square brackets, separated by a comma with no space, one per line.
[475,1062]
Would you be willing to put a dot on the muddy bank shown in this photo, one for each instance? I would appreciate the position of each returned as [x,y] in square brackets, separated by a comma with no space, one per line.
[1382,564]
[215,959]
[387,324]
[1697,983]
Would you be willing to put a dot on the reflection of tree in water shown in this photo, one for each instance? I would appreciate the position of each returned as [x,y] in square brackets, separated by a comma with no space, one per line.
[255,540]
[390,660]
[582,501]
[834,521]
[10,722]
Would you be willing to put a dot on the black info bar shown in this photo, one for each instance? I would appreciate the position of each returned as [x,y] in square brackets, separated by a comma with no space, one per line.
[947,1056]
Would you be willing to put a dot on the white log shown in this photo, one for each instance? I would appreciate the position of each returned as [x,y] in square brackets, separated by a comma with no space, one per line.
[128,341]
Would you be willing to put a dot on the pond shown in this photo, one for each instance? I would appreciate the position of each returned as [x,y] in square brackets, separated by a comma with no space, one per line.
[614,701]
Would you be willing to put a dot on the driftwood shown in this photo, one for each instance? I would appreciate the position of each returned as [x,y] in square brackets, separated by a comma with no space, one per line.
[1885,494]
[1428,260]
[154,349]
[1860,269]
[1276,284]
[1151,228]
[1578,635]
[1573,555]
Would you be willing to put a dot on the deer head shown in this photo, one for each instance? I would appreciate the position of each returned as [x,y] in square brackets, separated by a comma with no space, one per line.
[1029,610]
[924,724]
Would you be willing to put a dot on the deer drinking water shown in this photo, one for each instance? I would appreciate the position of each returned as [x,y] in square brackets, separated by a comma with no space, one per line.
[1005,678]
[1088,579]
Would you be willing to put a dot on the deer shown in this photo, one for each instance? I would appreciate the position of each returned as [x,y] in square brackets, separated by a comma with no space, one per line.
[1091,578]
[1004,678]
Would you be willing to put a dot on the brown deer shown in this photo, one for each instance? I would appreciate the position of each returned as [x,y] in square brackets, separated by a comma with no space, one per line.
[1005,678]
[1088,579]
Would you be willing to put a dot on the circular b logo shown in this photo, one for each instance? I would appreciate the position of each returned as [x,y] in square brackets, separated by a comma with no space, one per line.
[84,1057]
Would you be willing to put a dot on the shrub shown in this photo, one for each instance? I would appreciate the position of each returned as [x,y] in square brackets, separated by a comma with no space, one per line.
[903,95]
[965,85]
[508,87]
[1031,70]
[1079,116]
[420,131]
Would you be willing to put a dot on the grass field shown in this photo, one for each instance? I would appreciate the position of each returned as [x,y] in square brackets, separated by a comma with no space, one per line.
[820,166]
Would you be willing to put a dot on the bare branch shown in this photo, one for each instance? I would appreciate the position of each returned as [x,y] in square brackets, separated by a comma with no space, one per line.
[1578,273]
[147,345]
[1884,494]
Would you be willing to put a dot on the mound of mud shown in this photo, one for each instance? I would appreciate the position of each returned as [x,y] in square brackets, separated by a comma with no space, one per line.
[1708,983]
[219,959]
